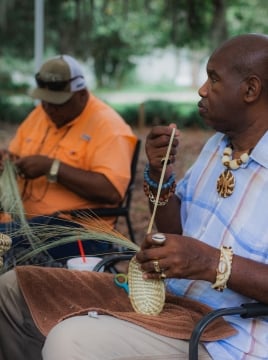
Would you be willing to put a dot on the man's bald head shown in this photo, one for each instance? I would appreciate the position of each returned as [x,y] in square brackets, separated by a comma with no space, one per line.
[247,54]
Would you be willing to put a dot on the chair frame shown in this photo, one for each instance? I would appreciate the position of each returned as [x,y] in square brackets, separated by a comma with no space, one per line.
[247,310]
[108,262]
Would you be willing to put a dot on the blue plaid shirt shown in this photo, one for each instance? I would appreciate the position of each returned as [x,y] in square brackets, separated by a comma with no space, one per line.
[240,221]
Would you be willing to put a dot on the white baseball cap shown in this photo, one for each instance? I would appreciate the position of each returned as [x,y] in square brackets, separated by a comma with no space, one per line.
[57,80]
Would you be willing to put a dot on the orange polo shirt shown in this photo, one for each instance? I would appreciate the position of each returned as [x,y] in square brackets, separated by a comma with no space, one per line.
[97,140]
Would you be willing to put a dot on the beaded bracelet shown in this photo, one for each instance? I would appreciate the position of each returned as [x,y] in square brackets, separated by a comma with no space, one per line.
[163,200]
[153,184]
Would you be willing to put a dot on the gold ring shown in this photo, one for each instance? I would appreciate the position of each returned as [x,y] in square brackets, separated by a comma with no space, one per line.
[163,276]
[163,161]
[156,266]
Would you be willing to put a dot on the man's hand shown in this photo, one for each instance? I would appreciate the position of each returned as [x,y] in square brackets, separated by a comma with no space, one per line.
[4,155]
[179,257]
[156,146]
[34,166]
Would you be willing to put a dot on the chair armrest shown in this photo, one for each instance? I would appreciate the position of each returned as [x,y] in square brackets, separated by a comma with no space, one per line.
[109,261]
[254,310]
[247,310]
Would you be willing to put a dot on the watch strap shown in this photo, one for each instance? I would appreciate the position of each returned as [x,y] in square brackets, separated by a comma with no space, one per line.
[53,171]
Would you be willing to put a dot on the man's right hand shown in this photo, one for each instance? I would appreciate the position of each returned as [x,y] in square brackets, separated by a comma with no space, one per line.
[156,146]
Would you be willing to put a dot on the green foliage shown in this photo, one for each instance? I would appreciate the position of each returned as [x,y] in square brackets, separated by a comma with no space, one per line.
[247,16]
[129,112]
[13,113]
[156,112]
[162,112]
[113,31]
[17,28]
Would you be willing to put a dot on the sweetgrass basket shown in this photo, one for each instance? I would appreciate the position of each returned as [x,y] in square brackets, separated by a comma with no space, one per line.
[146,296]
[5,244]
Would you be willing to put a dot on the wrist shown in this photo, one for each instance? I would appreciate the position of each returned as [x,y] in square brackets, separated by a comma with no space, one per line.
[153,183]
[155,174]
[151,188]
[224,268]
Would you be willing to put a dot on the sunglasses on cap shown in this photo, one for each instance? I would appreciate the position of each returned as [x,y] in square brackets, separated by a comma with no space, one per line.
[54,85]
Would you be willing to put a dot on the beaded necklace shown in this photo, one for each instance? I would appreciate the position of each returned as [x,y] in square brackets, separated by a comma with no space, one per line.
[226,180]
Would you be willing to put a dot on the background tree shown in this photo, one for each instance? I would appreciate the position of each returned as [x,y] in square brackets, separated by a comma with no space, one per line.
[112,32]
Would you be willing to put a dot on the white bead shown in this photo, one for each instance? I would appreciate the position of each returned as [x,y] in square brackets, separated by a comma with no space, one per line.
[244,158]
[225,159]
[228,151]
[233,165]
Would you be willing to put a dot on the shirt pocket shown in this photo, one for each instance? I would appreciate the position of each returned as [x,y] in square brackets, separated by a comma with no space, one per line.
[75,154]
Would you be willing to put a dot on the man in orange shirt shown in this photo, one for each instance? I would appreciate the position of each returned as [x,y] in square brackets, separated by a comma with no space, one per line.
[73,151]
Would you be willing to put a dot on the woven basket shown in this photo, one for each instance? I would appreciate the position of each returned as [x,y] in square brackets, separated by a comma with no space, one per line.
[146,296]
[5,244]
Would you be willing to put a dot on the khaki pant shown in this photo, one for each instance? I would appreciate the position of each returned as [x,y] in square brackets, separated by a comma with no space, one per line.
[78,338]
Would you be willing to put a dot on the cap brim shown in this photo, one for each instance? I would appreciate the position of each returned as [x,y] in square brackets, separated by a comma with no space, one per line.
[53,97]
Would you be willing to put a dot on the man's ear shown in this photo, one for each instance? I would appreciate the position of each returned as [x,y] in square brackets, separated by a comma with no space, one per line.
[252,87]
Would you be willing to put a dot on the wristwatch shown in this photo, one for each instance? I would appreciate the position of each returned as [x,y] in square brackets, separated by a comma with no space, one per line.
[53,171]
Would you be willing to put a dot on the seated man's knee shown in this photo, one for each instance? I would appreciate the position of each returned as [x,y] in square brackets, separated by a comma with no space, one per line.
[60,342]
[74,338]
[8,284]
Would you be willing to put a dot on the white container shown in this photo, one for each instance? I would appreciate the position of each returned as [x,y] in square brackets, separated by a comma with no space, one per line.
[78,263]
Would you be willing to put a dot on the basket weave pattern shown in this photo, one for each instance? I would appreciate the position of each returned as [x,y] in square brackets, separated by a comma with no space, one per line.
[5,244]
[146,296]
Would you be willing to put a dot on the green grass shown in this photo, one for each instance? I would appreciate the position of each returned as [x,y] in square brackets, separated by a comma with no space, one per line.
[146,88]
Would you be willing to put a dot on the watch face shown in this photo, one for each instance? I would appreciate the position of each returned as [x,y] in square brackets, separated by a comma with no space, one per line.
[53,172]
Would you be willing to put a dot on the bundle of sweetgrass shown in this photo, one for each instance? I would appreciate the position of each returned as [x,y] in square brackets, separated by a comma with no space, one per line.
[94,228]
[147,297]
[11,203]
[44,237]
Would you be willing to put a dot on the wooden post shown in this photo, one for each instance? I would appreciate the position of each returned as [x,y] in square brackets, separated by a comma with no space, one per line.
[141,118]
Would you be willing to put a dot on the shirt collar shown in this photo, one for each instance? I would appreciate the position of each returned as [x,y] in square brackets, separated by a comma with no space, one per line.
[260,151]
